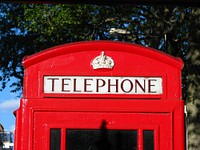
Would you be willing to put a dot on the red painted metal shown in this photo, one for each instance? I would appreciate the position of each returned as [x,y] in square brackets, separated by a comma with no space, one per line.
[140,139]
[39,111]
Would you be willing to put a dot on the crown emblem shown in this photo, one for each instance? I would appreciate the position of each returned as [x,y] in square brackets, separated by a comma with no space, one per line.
[102,61]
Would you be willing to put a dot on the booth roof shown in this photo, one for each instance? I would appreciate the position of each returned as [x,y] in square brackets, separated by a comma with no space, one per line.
[99,46]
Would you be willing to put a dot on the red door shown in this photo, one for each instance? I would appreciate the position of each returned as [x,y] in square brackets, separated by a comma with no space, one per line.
[102,131]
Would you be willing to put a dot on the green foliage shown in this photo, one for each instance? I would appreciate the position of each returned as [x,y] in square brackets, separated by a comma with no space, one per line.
[11,45]
[29,28]
[193,80]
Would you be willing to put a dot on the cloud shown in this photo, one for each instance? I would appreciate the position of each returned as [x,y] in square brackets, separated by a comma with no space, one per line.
[9,105]
[12,128]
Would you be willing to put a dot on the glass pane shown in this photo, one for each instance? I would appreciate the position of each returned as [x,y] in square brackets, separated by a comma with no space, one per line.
[55,136]
[148,139]
[101,140]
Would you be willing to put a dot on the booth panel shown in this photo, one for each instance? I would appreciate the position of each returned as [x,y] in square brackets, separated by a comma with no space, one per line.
[102,131]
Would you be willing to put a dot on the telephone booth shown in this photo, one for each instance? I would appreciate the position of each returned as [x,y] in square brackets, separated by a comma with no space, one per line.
[101,95]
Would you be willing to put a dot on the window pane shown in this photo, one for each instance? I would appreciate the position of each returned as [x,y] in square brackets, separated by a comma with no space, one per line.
[55,135]
[101,139]
[148,139]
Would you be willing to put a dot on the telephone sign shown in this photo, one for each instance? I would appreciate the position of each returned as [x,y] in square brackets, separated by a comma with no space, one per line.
[102,85]
[101,95]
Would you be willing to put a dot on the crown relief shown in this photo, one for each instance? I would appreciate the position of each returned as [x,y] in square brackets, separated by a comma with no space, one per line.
[103,61]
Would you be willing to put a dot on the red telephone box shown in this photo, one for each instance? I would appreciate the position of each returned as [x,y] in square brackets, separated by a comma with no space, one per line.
[101,95]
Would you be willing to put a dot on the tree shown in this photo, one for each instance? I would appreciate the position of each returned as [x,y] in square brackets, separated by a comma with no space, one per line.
[12,45]
[193,69]
[174,30]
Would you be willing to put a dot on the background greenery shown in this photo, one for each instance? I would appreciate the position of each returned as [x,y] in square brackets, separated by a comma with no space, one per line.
[29,28]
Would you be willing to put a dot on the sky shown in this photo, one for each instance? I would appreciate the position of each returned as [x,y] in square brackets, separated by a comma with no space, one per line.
[9,102]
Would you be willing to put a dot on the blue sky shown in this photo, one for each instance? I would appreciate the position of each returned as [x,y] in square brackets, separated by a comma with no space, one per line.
[8,103]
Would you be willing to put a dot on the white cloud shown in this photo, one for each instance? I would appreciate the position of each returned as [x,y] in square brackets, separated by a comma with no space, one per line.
[12,128]
[9,105]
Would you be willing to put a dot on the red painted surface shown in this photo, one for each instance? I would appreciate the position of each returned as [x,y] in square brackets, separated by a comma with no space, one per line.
[40,111]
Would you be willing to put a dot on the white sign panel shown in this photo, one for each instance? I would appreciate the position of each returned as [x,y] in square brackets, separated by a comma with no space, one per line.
[102,85]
